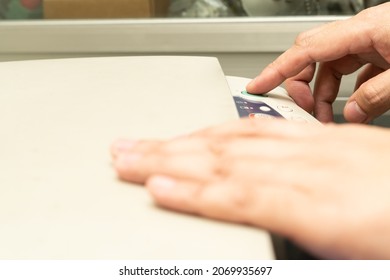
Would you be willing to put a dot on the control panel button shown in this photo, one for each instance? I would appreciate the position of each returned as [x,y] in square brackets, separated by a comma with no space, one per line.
[260,116]
[244,92]
[265,108]
[246,107]
[285,108]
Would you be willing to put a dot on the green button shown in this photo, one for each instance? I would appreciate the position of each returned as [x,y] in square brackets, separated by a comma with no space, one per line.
[244,92]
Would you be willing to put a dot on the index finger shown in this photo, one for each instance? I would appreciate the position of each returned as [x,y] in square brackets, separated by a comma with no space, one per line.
[325,43]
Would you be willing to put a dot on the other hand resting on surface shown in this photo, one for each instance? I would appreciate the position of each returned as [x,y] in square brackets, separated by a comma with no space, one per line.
[324,187]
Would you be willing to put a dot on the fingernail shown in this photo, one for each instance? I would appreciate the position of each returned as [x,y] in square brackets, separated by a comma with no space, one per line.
[182,136]
[354,113]
[260,82]
[122,145]
[126,161]
[160,185]
[251,84]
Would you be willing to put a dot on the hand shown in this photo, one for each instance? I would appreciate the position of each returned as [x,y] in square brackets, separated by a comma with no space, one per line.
[341,48]
[324,187]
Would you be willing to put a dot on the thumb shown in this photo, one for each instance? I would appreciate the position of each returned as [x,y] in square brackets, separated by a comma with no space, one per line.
[370,100]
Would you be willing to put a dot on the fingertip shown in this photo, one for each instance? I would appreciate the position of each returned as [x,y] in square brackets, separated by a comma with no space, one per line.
[251,86]
[174,194]
[166,193]
[121,145]
[265,81]
[161,187]
[354,113]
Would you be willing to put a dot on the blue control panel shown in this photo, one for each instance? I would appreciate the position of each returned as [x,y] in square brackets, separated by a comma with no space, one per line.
[251,109]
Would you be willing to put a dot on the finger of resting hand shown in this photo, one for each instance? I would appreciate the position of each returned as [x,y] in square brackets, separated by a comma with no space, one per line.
[201,157]
[198,140]
[126,146]
[179,144]
[137,167]
[121,145]
[280,210]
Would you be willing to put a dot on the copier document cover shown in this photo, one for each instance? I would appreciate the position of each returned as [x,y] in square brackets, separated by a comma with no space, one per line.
[59,195]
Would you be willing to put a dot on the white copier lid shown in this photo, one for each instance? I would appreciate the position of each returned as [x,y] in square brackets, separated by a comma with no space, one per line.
[59,195]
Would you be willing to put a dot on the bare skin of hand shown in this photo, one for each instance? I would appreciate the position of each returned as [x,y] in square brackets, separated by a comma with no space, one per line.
[340,48]
[324,187]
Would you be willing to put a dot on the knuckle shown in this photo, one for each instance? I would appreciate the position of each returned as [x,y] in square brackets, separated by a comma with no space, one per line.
[217,147]
[381,39]
[222,168]
[303,40]
[227,166]
[368,14]
[373,96]
[241,197]
[219,155]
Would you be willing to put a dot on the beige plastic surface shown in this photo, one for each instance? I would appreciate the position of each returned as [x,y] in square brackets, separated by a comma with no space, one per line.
[59,196]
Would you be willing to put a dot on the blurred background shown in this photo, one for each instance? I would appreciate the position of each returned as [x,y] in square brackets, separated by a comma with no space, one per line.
[245,35]
[61,9]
